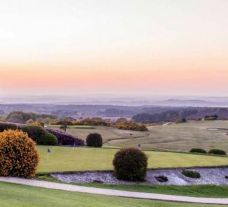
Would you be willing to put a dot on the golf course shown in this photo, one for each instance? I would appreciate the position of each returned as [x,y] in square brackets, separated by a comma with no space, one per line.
[166,146]
[170,136]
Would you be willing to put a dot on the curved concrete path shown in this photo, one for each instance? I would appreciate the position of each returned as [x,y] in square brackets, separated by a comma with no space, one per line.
[109,192]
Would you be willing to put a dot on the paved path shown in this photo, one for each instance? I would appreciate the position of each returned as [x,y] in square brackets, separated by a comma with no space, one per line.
[109,192]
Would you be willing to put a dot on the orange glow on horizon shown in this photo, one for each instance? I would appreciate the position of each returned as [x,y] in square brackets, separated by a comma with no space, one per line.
[117,77]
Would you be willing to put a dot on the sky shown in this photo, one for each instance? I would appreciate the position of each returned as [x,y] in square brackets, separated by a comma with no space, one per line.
[156,47]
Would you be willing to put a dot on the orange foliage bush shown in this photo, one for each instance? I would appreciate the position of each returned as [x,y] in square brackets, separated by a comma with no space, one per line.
[130,125]
[18,154]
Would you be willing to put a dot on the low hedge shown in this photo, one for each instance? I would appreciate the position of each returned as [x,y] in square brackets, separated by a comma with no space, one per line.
[198,150]
[66,139]
[191,174]
[217,152]
[40,135]
[37,133]
[6,126]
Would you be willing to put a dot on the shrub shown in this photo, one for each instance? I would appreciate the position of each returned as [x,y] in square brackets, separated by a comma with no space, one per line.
[130,125]
[95,121]
[23,117]
[130,164]
[48,139]
[211,117]
[18,154]
[94,140]
[37,133]
[66,139]
[198,150]
[191,174]
[217,152]
[63,127]
[6,126]
[161,178]
[183,120]
[35,123]
[64,122]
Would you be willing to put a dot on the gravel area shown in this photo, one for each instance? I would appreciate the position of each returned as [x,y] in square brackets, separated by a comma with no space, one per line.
[209,176]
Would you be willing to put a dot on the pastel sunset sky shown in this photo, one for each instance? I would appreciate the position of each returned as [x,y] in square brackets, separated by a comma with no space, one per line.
[177,47]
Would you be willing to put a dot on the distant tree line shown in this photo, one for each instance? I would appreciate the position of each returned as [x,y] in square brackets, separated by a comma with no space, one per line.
[120,123]
[182,115]
[28,117]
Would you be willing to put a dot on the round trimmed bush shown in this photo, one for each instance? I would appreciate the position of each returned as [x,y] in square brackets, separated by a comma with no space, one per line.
[94,140]
[198,150]
[130,164]
[18,154]
[191,174]
[49,139]
[217,152]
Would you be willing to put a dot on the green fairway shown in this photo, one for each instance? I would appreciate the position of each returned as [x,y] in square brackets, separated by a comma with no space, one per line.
[82,159]
[176,137]
[12,195]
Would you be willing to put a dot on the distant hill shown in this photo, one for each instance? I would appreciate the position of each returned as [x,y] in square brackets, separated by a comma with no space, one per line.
[192,113]
[193,102]
[139,113]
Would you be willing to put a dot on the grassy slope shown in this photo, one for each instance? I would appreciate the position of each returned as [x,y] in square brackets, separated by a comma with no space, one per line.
[212,191]
[177,137]
[196,191]
[23,196]
[81,159]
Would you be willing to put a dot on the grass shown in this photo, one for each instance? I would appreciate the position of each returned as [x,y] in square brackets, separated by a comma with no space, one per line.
[210,191]
[25,196]
[82,159]
[175,137]
[196,190]
[74,127]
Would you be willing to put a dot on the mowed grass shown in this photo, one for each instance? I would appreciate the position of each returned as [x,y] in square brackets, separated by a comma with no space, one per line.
[25,196]
[175,137]
[82,159]
[194,190]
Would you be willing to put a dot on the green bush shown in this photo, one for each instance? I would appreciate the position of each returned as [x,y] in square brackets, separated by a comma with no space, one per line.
[198,150]
[217,152]
[130,164]
[48,139]
[35,132]
[5,126]
[40,135]
[191,174]
[94,140]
